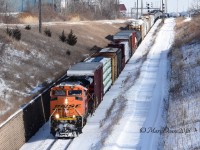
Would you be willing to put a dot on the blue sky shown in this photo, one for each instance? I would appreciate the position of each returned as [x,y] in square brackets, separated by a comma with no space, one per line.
[172,4]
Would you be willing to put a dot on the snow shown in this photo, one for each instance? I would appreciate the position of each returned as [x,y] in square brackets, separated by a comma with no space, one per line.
[3,25]
[108,50]
[81,69]
[188,19]
[135,101]
[36,89]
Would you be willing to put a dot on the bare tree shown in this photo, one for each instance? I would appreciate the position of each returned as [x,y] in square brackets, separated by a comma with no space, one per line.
[3,6]
[3,11]
[100,4]
[99,8]
[195,7]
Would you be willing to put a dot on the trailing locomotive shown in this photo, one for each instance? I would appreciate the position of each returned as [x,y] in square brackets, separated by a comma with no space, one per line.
[77,96]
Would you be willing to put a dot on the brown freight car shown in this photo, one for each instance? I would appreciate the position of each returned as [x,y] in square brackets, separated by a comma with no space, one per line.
[116,60]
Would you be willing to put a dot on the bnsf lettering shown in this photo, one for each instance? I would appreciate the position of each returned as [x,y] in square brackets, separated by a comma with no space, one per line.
[67,106]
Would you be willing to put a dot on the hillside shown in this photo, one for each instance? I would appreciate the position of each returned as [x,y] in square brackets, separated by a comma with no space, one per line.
[182,129]
[36,60]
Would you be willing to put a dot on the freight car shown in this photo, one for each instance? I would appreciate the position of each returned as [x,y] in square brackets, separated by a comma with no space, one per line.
[145,22]
[107,71]
[77,96]
[131,37]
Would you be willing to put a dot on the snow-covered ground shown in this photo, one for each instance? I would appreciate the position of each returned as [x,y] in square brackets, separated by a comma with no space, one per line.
[132,110]
[66,23]
[184,102]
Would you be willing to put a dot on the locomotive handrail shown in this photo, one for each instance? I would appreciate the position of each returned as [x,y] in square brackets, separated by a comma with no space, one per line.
[51,116]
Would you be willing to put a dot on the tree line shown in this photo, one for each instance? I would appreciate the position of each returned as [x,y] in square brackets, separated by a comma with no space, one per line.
[96,9]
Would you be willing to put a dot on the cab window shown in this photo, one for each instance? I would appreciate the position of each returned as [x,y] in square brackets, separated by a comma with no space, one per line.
[59,93]
[74,92]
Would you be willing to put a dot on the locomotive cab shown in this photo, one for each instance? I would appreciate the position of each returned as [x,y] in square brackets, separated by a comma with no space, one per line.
[68,108]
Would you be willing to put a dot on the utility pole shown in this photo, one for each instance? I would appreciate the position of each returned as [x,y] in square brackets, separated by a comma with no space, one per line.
[53,4]
[40,17]
[162,11]
[117,8]
[177,6]
[137,11]
[6,13]
[141,7]
[22,5]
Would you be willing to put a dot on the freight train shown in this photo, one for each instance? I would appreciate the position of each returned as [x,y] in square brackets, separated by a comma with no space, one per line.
[78,95]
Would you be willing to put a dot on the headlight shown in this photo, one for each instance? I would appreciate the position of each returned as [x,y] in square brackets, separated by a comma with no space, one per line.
[57,116]
[66,101]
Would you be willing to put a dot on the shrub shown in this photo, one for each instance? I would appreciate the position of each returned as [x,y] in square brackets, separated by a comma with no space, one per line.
[62,37]
[47,32]
[28,27]
[16,34]
[9,31]
[72,39]
[68,52]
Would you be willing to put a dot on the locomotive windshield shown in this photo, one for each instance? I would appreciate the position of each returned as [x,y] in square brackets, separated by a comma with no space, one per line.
[59,93]
[74,92]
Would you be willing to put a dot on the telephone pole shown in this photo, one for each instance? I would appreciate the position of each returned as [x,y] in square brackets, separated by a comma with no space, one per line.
[40,17]
[137,11]
[177,6]
[141,7]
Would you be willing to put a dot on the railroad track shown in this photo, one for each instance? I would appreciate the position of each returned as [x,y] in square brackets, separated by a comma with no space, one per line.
[61,144]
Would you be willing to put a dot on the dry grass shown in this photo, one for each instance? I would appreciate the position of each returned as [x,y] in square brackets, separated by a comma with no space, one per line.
[3,105]
[184,101]
[28,19]
[108,113]
[113,115]
[176,56]
[45,57]
[8,19]
[49,15]
[186,32]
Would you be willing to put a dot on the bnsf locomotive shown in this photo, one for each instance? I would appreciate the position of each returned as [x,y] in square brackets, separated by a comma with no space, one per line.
[81,92]
[69,109]
[75,98]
